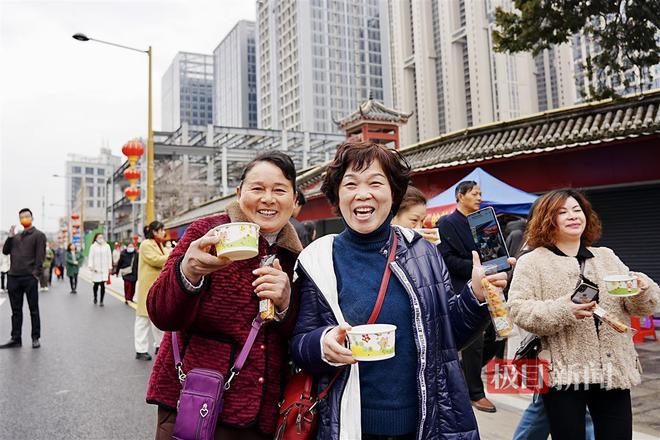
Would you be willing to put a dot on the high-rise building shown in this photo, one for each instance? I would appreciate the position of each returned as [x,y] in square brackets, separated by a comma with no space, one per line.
[319,59]
[584,46]
[187,91]
[86,185]
[235,78]
[445,70]
[555,77]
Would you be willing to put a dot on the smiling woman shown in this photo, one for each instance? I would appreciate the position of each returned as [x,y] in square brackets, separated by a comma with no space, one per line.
[343,277]
[211,302]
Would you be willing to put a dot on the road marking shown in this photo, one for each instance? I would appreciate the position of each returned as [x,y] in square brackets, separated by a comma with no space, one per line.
[113,292]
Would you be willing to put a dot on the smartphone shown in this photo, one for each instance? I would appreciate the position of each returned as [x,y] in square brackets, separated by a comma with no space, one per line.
[488,238]
[585,293]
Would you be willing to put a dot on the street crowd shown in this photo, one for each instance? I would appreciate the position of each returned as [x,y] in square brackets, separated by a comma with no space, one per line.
[226,368]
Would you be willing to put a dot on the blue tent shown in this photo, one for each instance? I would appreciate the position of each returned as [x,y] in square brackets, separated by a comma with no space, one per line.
[501,196]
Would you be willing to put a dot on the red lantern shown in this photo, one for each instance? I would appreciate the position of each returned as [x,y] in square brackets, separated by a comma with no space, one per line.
[132,175]
[75,216]
[132,193]
[65,230]
[133,149]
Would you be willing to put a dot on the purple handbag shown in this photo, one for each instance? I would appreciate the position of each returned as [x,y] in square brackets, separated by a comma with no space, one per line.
[200,401]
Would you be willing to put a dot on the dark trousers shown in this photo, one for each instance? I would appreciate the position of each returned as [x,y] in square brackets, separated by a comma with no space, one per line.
[3,276]
[17,286]
[165,427]
[129,290]
[475,356]
[96,288]
[73,281]
[611,412]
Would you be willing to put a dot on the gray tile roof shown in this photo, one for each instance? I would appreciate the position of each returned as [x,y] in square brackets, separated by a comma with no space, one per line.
[573,127]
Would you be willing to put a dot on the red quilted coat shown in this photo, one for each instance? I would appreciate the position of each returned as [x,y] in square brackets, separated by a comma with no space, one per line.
[214,324]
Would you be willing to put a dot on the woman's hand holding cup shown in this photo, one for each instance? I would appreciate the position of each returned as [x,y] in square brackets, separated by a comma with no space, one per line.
[333,345]
[498,279]
[198,262]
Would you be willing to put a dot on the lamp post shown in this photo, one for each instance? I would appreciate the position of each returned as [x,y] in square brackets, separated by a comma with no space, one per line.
[150,216]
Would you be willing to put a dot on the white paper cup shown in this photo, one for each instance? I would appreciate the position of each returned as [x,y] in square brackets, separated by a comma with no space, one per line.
[238,241]
[372,342]
[621,285]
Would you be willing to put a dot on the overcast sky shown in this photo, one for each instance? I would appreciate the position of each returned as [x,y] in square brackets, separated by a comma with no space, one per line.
[60,96]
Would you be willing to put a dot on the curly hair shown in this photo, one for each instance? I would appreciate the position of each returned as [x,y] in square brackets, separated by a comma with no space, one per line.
[359,156]
[542,227]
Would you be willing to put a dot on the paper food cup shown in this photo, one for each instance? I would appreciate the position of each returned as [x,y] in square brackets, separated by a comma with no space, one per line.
[372,342]
[238,241]
[621,285]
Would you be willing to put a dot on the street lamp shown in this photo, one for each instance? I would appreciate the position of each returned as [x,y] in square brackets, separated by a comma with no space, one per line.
[150,216]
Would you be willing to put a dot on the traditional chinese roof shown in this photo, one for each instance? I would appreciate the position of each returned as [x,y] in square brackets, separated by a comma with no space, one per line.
[372,110]
[567,128]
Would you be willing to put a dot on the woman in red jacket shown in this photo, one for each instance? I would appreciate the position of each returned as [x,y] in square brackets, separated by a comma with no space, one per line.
[211,302]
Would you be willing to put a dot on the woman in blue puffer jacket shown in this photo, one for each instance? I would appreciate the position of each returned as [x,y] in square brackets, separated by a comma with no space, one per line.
[419,393]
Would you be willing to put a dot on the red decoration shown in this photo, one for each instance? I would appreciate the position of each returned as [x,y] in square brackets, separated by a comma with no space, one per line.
[132,193]
[132,175]
[133,149]
[75,216]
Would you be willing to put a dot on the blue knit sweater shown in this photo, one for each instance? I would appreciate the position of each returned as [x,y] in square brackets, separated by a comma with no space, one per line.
[388,388]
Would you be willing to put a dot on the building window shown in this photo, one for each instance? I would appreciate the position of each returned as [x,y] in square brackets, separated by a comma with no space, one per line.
[90,203]
[89,170]
[76,170]
[89,180]
[89,191]
[99,204]
[100,171]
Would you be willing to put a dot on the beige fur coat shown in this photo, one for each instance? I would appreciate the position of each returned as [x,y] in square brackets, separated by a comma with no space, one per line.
[539,302]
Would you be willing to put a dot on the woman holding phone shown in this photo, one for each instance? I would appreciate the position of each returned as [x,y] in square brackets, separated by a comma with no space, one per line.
[420,392]
[592,364]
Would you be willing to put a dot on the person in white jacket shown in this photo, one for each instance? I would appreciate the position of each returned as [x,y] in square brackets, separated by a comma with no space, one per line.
[4,269]
[99,263]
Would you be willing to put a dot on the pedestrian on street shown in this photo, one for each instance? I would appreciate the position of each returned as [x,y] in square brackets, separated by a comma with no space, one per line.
[420,392]
[456,246]
[59,262]
[152,257]
[592,365]
[5,263]
[73,261]
[211,303]
[99,263]
[127,267]
[27,251]
[47,268]
[116,253]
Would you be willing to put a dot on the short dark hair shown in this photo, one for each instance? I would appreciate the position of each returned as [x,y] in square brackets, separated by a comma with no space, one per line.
[25,210]
[542,226]
[300,197]
[281,160]
[412,197]
[360,155]
[151,228]
[464,187]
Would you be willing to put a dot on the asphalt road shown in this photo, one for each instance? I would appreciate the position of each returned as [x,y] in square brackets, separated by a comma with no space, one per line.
[84,382]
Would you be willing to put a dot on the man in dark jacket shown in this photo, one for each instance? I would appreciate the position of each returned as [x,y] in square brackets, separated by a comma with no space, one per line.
[456,246]
[27,251]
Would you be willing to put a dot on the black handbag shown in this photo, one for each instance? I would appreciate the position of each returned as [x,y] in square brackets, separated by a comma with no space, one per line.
[529,348]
